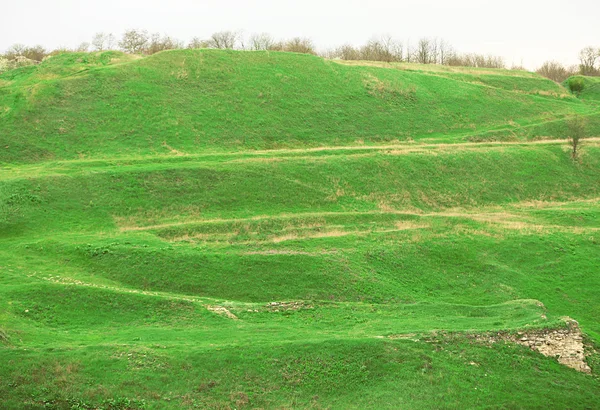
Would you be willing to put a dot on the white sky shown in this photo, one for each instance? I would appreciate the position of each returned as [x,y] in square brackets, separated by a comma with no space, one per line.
[521,31]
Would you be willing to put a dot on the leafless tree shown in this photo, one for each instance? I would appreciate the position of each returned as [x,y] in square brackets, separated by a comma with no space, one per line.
[299,45]
[111,41]
[374,50]
[134,41]
[261,41]
[83,47]
[431,51]
[98,42]
[587,61]
[223,40]
[15,50]
[476,60]
[409,52]
[555,71]
[103,41]
[445,51]
[196,42]
[345,52]
[393,48]
[160,43]
[434,51]
[424,52]
[35,53]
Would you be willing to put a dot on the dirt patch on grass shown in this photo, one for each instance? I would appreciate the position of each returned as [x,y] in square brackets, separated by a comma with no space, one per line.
[327,234]
[289,252]
[287,306]
[552,204]
[220,310]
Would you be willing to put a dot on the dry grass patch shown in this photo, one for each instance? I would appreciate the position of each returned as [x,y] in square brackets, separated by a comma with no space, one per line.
[406,225]
[222,311]
[541,204]
[172,150]
[289,252]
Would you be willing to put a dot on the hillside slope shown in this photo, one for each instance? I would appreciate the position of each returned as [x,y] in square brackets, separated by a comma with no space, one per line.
[188,101]
[152,258]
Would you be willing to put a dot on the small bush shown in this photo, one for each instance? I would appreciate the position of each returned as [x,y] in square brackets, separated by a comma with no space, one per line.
[576,85]
[577,132]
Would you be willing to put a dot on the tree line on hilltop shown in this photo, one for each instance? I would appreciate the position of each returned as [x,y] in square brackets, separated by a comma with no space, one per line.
[386,49]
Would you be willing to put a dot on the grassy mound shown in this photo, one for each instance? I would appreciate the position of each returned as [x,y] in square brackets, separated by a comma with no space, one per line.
[189,101]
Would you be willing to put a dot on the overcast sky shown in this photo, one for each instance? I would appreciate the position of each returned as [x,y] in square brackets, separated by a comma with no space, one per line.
[524,31]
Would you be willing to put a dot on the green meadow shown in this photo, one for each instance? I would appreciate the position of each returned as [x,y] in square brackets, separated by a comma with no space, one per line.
[228,230]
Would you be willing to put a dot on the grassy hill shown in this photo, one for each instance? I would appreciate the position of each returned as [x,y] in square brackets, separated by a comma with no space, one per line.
[89,106]
[215,229]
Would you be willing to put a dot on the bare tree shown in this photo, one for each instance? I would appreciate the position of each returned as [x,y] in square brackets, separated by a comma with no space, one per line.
[223,40]
[445,51]
[577,129]
[111,41]
[196,42]
[83,47]
[555,71]
[104,41]
[431,51]
[374,50]
[99,41]
[393,48]
[134,41]
[434,51]
[299,45]
[160,43]
[345,52]
[261,41]
[15,50]
[475,60]
[587,61]
[35,53]
[423,53]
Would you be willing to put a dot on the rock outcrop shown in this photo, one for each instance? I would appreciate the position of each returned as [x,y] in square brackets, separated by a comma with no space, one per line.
[564,344]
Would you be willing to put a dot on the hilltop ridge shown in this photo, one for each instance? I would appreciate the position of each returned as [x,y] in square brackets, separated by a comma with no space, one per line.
[189,101]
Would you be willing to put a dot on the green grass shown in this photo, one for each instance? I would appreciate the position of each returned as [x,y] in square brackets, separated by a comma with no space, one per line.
[198,100]
[297,251]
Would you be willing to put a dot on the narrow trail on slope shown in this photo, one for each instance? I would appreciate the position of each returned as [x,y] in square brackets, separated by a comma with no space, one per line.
[488,214]
[125,163]
[223,307]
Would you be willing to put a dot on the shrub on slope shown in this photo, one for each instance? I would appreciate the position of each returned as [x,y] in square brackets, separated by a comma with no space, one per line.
[590,87]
